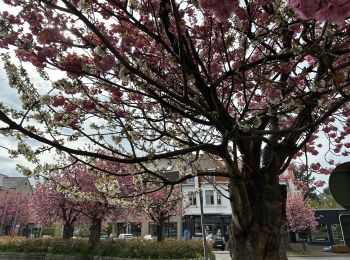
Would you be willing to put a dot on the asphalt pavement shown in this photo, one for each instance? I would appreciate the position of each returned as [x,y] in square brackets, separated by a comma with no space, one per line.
[224,255]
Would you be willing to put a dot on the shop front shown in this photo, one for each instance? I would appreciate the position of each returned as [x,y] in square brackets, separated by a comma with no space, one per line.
[214,225]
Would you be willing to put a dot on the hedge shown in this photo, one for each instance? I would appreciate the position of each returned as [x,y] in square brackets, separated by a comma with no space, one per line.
[133,248]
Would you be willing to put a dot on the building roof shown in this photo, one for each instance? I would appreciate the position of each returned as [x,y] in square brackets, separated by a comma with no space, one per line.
[7,182]
[13,182]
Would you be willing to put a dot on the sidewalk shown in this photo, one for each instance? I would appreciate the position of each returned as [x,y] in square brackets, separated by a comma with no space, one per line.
[313,252]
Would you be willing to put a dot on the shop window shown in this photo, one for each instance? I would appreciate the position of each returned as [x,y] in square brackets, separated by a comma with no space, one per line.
[209,197]
[121,228]
[135,229]
[321,233]
[169,229]
[197,228]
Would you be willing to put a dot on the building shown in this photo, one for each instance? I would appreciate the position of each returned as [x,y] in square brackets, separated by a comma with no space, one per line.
[216,205]
[23,187]
[20,184]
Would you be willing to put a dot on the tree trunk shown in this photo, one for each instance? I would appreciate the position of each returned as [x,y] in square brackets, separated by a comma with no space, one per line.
[160,233]
[68,230]
[258,218]
[95,232]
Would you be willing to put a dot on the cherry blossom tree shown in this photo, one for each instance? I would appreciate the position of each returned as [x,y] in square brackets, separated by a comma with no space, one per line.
[77,194]
[160,205]
[15,209]
[99,198]
[51,205]
[300,215]
[253,83]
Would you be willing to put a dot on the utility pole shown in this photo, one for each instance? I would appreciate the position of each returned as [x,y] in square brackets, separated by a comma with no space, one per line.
[205,246]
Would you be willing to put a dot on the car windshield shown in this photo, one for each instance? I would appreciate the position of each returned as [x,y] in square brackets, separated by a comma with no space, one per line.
[216,237]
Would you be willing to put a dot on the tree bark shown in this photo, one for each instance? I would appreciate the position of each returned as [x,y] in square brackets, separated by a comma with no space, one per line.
[68,230]
[160,233]
[258,218]
[95,232]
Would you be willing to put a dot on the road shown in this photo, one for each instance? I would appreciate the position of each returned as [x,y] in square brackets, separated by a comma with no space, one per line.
[224,255]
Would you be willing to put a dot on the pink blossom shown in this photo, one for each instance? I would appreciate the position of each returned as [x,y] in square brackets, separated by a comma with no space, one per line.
[222,10]
[88,104]
[58,101]
[300,215]
[315,166]
[73,64]
[323,10]
[69,107]
[319,183]
[105,63]
[295,27]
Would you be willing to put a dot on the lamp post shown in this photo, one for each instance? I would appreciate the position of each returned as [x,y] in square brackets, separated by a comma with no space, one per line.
[205,249]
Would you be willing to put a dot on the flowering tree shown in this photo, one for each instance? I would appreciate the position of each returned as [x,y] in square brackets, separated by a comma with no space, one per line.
[51,205]
[99,198]
[77,194]
[160,205]
[252,83]
[15,209]
[300,215]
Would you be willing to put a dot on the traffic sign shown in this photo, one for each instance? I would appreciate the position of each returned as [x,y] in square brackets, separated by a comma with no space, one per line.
[339,183]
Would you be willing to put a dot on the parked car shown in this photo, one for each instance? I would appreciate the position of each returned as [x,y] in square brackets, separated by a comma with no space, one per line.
[216,241]
[148,237]
[104,236]
[125,236]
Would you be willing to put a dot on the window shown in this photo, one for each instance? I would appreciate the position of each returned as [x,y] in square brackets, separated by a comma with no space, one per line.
[210,178]
[209,197]
[135,229]
[190,180]
[337,234]
[218,199]
[126,228]
[121,228]
[169,229]
[152,229]
[192,197]
[321,233]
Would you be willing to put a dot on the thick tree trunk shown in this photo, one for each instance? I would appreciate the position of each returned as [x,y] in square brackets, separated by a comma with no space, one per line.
[258,219]
[68,230]
[160,233]
[95,232]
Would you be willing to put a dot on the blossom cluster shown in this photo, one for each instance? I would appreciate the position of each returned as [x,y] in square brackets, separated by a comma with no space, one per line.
[323,10]
[222,10]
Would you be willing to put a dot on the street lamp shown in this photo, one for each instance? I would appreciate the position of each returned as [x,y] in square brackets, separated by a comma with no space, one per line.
[205,249]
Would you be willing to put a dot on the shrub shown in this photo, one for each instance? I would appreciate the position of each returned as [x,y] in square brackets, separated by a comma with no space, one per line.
[133,248]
